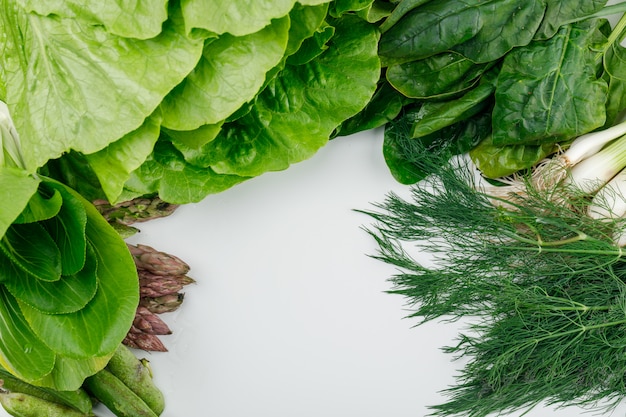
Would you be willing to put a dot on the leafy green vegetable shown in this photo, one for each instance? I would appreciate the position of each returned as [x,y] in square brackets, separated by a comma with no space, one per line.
[614,61]
[21,351]
[560,99]
[231,72]
[16,187]
[405,156]
[69,290]
[112,165]
[495,161]
[296,113]
[167,173]
[67,229]
[31,248]
[140,20]
[560,13]
[439,76]
[551,88]
[288,121]
[66,295]
[384,106]
[240,17]
[438,115]
[43,205]
[74,94]
[482,31]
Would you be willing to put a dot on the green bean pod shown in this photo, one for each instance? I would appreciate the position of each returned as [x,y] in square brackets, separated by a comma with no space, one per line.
[19,404]
[78,399]
[116,396]
[136,376]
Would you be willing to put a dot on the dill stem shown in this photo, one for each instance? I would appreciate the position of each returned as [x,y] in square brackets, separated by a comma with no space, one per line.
[581,329]
[617,252]
[540,245]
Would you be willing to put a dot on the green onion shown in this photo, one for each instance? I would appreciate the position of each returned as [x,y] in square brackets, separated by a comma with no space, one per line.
[592,173]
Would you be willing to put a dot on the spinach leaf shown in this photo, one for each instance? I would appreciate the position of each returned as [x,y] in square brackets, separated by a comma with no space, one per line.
[400,9]
[560,13]
[496,161]
[433,28]
[615,76]
[549,91]
[440,114]
[505,24]
[384,106]
[405,156]
[480,30]
[439,76]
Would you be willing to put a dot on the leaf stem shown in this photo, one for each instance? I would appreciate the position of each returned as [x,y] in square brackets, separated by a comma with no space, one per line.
[604,12]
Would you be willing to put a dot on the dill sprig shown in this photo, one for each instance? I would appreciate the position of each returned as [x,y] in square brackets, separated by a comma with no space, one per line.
[542,284]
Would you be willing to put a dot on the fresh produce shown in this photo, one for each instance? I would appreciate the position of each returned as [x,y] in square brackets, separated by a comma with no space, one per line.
[141,209]
[111,114]
[185,107]
[509,82]
[118,104]
[538,278]
[58,282]
[117,396]
[78,399]
[136,375]
[24,405]
[125,386]
[162,276]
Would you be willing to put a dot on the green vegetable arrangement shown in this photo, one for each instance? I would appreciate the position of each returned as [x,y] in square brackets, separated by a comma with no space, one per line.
[510,82]
[168,100]
[535,267]
[179,105]
[104,103]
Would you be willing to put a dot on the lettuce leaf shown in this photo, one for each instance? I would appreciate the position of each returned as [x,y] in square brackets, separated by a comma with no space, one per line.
[289,120]
[238,17]
[81,87]
[230,73]
[138,19]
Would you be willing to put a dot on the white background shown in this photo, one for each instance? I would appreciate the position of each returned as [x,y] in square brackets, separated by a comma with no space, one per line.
[289,316]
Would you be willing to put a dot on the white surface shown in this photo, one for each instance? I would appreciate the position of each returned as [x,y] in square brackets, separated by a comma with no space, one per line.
[289,317]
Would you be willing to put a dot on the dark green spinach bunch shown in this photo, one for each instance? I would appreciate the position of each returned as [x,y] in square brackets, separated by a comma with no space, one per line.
[509,81]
